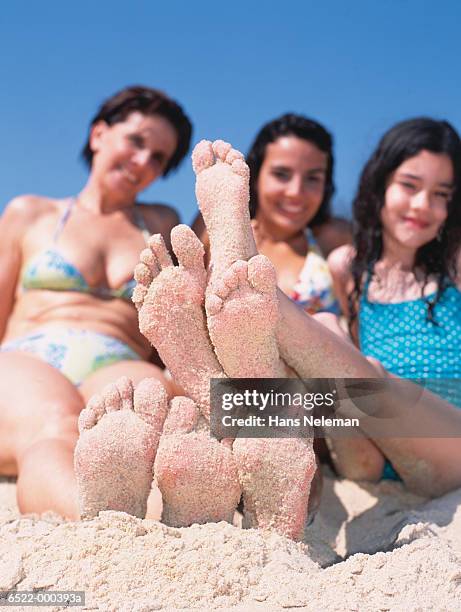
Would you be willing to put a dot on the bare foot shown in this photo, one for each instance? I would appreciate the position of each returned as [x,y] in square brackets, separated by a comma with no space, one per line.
[242,315]
[222,190]
[276,476]
[170,303]
[196,474]
[114,456]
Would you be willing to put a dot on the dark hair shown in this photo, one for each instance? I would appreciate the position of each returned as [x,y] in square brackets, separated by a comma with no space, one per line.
[148,102]
[306,129]
[438,257]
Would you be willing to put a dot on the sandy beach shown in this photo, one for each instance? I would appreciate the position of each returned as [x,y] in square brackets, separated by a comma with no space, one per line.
[370,547]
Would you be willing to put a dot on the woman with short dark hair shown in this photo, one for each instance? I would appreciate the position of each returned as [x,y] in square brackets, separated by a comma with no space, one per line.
[291,185]
[68,326]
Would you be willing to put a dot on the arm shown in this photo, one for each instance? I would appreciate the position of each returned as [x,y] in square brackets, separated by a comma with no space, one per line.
[13,223]
[339,263]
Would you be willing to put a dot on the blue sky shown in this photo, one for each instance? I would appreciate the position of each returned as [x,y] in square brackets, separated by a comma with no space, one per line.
[357,66]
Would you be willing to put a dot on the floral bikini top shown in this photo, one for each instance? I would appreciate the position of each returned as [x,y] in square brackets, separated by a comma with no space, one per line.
[313,290]
[51,271]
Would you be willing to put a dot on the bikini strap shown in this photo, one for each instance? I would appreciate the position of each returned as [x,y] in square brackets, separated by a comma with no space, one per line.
[138,219]
[141,224]
[63,219]
[312,244]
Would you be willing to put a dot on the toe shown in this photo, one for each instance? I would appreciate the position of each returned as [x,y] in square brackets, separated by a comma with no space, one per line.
[240,167]
[160,252]
[221,149]
[233,278]
[232,155]
[139,295]
[125,389]
[202,156]
[240,269]
[111,397]
[90,415]
[213,305]
[182,417]
[221,289]
[235,275]
[149,259]
[143,274]
[147,268]
[188,249]
[261,274]
[151,402]
[86,420]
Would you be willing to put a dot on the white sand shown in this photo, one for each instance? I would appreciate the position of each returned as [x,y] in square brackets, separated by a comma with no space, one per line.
[130,564]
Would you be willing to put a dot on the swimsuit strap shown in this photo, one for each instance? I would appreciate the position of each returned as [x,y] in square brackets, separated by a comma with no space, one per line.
[312,244]
[63,219]
[138,218]
[311,241]
[140,222]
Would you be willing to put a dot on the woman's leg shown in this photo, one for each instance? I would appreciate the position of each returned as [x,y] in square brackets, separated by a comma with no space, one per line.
[39,409]
[134,370]
[357,457]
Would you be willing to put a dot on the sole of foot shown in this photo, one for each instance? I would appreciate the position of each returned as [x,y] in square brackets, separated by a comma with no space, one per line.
[170,303]
[196,474]
[242,315]
[114,457]
[276,476]
[222,190]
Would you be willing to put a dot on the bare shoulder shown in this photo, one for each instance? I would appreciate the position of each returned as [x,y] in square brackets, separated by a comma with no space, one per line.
[339,261]
[159,218]
[333,234]
[25,205]
[23,210]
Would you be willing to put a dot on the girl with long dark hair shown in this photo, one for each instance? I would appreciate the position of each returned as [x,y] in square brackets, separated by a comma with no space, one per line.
[399,284]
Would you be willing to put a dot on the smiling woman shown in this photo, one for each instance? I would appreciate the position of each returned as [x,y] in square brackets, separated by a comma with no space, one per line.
[67,323]
[130,155]
[291,185]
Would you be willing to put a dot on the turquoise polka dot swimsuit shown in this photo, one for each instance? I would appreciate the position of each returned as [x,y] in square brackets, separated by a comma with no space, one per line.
[408,345]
